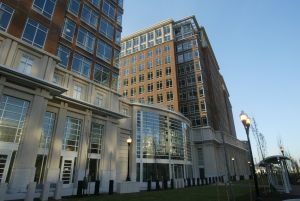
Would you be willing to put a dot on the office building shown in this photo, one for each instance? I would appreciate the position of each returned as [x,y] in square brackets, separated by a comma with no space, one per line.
[171,64]
[63,125]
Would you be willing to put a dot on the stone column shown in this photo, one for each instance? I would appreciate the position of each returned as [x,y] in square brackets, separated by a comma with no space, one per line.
[109,155]
[53,171]
[84,145]
[24,166]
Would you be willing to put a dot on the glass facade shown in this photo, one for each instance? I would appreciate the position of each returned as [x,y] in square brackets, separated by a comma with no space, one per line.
[160,138]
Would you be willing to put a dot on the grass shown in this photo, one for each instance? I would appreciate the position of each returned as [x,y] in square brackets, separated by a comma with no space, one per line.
[205,193]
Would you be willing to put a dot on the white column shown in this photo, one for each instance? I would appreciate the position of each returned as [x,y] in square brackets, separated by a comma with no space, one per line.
[53,170]
[30,191]
[45,192]
[3,188]
[24,165]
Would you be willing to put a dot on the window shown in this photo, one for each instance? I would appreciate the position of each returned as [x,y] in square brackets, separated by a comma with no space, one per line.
[141,67]
[133,59]
[149,64]
[166,30]
[169,83]
[119,18]
[149,53]
[169,96]
[74,6]
[125,82]
[167,59]
[12,118]
[159,73]
[101,75]
[142,38]
[158,51]
[89,16]
[126,72]
[159,85]
[141,89]
[78,91]
[142,56]
[203,106]
[150,36]
[81,65]
[125,93]
[6,13]
[141,78]
[133,92]
[85,40]
[104,51]
[45,7]
[133,80]
[150,75]
[97,131]
[150,99]
[181,83]
[200,78]
[95,2]
[201,92]
[63,53]
[158,62]
[25,64]
[35,33]
[193,108]
[160,98]
[69,29]
[106,29]
[192,94]
[167,48]
[109,10]
[200,156]
[117,37]
[183,109]
[48,127]
[168,71]
[191,80]
[99,99]
[150,87]
[72,133]
[182,96]
[114,81]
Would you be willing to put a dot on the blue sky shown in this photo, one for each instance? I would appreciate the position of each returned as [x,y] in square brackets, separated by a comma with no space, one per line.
[257,45]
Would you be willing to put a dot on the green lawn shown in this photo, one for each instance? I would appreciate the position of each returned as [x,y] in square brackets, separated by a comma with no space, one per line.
[204,193]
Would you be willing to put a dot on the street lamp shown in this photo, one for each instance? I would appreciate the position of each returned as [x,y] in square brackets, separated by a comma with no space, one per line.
[234,178]
[246,122]
[129,141]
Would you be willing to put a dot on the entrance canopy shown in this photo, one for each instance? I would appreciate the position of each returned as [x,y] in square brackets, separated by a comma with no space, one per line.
[277,172]
[276,159]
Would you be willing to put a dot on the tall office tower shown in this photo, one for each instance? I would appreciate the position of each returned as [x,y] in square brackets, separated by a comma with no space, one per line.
[172,64]
[58,93]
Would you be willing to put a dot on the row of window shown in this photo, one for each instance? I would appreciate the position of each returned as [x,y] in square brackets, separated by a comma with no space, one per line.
[87,40]
[82,65]
[12,117]
[159,72]
[90,16]
[159,84]
[142,55]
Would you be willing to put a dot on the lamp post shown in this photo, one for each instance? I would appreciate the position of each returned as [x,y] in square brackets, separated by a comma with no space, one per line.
[129,141]
[246,122]
[234,178]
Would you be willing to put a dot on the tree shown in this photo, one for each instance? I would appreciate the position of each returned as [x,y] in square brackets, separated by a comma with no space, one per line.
[260,141]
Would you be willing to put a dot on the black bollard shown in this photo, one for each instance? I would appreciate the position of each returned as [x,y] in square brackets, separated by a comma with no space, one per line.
[97,186]
[111,187]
